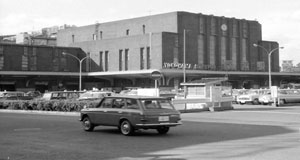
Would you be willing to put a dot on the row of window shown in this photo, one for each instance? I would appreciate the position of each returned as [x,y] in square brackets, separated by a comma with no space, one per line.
[145,59]
[215,28]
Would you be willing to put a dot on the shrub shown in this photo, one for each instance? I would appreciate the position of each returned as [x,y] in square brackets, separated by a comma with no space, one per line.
[53,105]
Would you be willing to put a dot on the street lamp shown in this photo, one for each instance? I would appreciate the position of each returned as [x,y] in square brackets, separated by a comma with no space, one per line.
[184,60]
[80,64]
[269,52]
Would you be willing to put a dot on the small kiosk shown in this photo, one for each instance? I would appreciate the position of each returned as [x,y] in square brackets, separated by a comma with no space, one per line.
[207,93]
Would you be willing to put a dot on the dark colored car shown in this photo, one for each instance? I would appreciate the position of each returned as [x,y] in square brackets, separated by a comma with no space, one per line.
[130,113]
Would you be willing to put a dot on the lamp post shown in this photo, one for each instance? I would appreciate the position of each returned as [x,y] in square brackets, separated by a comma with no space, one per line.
[80,66]
[184,61]
[269,52]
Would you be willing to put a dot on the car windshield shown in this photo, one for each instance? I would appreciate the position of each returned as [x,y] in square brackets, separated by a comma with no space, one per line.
[157,104]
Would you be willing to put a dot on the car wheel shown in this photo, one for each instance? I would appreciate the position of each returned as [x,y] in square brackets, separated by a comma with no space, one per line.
[126,128]
[87,124]
[163,130]
[255,102]
[281,101]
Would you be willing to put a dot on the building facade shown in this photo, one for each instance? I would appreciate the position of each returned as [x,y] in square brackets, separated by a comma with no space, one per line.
[29,67]
[124,53]
[209,43]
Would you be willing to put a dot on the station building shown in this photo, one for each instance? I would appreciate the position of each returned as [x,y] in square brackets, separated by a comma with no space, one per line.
[124,53]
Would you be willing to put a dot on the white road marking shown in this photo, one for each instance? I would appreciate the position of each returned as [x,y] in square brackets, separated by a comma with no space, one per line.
[27,129]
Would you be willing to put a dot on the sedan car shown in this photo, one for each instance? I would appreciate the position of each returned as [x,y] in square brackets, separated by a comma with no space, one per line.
[130,113]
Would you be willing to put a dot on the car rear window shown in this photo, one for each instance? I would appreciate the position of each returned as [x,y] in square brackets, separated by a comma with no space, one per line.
[157,104]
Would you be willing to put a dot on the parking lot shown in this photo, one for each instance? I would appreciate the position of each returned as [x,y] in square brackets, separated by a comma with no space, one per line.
[247,132]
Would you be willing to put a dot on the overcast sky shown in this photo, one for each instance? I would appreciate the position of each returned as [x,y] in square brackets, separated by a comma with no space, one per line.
[280,19]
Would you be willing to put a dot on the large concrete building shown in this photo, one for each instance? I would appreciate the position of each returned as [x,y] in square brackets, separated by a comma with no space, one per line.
[159,42]
[124,54]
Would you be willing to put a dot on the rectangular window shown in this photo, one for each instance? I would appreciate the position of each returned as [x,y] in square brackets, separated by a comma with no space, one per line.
[213,25]
[1,62]
[127,32]
[25,59]
[126,59]
[101,60]
[106,61]
[201,25]
[148,58]
[73,38]
[100,34]
[235,28]
[33,60]
[120,59]
[1,57]
[142,61]
[144,29]
[94,37]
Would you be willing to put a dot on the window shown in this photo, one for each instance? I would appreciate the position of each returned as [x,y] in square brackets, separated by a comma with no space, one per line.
[100,34]
[73,38]
[156,104]
[120,59]
[106,61]
[107,103]
[201,25]
[131,104]
[101,60]
[94,37]
[127,32]
[142,58]
[144,29]
[126,59]
[25,59]
[213,25]
[148,58]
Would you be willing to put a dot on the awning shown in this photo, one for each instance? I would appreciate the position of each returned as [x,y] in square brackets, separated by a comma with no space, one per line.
[7,82]
[41,83]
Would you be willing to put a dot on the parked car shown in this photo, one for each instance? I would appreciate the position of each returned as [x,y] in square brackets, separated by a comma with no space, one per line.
[94,95]
[265,98]
[236,92]
[130,113]
[283,96]
[59,95]
[288,96]
[14,95]
[251,96]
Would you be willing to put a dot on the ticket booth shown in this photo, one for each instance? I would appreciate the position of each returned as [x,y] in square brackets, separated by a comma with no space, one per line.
[208,94]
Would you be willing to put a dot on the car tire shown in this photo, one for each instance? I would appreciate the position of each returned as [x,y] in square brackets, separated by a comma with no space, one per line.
[87,124]
[126,128]
[281,101]
[255,102]
[163,130]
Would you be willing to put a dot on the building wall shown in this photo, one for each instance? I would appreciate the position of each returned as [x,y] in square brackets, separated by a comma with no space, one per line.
[118,29]
[16,57]
[131,43]
[211,42]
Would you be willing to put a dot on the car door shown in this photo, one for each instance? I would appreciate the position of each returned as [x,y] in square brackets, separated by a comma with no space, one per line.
[99,115]
[115,112]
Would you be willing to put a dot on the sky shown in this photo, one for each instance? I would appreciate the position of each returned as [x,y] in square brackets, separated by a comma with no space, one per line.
[280,19]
